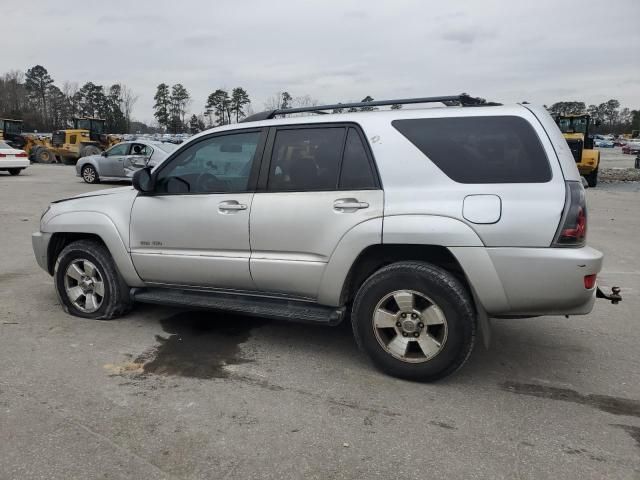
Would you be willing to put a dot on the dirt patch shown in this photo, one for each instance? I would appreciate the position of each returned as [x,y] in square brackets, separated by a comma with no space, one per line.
[611,175]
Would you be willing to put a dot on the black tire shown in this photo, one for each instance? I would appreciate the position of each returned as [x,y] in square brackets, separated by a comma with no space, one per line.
[115,302]
[592,178]
[89,174]
[33,154]
[44,155]
[15,171]
[87,150]
[445,290]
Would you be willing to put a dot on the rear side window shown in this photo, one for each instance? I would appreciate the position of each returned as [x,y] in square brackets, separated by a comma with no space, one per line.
[306,159]
[356,171]
[496,149]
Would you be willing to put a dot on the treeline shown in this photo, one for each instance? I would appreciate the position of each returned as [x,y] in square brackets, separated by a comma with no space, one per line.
[609,115]
[34,97]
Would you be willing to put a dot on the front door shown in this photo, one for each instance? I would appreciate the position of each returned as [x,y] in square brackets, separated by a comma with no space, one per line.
[194,229]
[320,183]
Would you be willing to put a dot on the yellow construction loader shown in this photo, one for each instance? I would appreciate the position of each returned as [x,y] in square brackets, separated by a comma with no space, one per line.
[11,132]
[575,129]
[87,137]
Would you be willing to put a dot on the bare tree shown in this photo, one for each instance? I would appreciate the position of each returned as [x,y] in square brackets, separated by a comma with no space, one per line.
[304,101]
[70,90]
[129,99]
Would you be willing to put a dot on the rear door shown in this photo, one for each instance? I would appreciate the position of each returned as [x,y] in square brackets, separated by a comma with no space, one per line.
[139,155]
[317,182]
[112,164]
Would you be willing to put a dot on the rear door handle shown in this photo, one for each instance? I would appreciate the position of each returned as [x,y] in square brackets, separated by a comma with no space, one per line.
[349,204]
[231,206]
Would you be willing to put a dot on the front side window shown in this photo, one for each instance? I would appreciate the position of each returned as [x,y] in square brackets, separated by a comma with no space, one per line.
[117,150]
[215,165]
[306,159]
[490,149]
[97,126]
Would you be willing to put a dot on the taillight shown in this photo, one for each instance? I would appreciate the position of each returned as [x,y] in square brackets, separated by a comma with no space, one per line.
[21,155]
[573,226]
[590,281]
[2,155]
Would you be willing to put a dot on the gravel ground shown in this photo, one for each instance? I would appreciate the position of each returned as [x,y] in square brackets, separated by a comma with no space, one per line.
[169,394]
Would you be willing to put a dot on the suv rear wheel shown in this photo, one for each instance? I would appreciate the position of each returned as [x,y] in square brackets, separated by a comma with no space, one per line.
[415,321]
[88,283]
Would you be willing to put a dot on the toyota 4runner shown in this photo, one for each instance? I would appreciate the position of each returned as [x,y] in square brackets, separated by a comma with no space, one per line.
[417,224]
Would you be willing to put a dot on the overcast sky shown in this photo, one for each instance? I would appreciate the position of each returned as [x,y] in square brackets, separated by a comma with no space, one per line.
[541,51]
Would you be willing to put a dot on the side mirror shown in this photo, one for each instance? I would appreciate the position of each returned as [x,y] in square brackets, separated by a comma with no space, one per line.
[142,180]
[104,154]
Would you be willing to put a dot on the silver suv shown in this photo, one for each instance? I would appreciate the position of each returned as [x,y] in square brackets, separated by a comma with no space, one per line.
[417,224]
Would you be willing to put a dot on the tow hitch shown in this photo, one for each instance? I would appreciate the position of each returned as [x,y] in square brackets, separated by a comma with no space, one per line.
[614,297]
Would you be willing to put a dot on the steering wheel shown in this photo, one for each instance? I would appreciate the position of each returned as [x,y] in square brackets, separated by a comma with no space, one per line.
[207,182]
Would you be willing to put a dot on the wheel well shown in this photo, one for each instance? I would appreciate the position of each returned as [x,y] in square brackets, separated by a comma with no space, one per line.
[60,240]
[377,256]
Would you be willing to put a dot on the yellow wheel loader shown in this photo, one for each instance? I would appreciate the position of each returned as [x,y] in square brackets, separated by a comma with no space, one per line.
[575,129]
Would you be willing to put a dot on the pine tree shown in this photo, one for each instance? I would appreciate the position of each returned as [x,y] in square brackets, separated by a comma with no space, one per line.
[239,98]
[161,107]
[37,82]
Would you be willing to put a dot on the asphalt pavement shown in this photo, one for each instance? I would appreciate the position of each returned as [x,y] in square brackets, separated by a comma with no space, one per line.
[172,394]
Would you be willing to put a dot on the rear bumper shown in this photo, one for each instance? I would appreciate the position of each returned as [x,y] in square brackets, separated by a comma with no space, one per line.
[531,281]
[547,281]
[16,163]
[40,244]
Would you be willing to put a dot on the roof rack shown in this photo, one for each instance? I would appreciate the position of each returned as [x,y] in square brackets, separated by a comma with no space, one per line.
[451,100]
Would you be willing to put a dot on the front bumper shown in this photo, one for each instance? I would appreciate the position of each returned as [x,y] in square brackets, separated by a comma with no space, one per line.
[40,244]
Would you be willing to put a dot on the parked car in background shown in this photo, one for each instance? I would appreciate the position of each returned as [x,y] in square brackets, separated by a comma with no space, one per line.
[12,160]
[631,147]
[122,160]
[603,143]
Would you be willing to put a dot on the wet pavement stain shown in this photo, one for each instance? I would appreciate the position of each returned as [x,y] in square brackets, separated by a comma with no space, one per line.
[634,432]
[606,403]
[200,345]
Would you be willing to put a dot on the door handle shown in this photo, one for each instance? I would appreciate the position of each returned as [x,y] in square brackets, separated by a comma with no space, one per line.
[349,204]
[231,206]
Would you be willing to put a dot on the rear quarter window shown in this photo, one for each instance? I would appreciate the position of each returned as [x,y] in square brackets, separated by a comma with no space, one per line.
[493,149]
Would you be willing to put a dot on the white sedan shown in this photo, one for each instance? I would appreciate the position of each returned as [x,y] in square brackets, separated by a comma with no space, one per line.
[12,159]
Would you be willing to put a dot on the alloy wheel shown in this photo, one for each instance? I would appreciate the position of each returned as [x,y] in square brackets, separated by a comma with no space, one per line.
[410,326]
[84,285]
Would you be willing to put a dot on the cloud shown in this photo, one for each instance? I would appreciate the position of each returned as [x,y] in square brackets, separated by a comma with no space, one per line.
[465,36]
[336,50]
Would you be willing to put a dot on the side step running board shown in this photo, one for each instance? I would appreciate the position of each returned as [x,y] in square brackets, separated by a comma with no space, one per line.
[279,309]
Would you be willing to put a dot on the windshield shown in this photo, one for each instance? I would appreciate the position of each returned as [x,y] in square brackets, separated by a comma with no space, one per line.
[4,146]
[573,124]
[9,126]
[83,124]
[95,126]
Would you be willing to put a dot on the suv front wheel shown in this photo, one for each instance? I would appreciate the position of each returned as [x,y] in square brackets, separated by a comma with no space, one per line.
[415,321]
[88,283]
